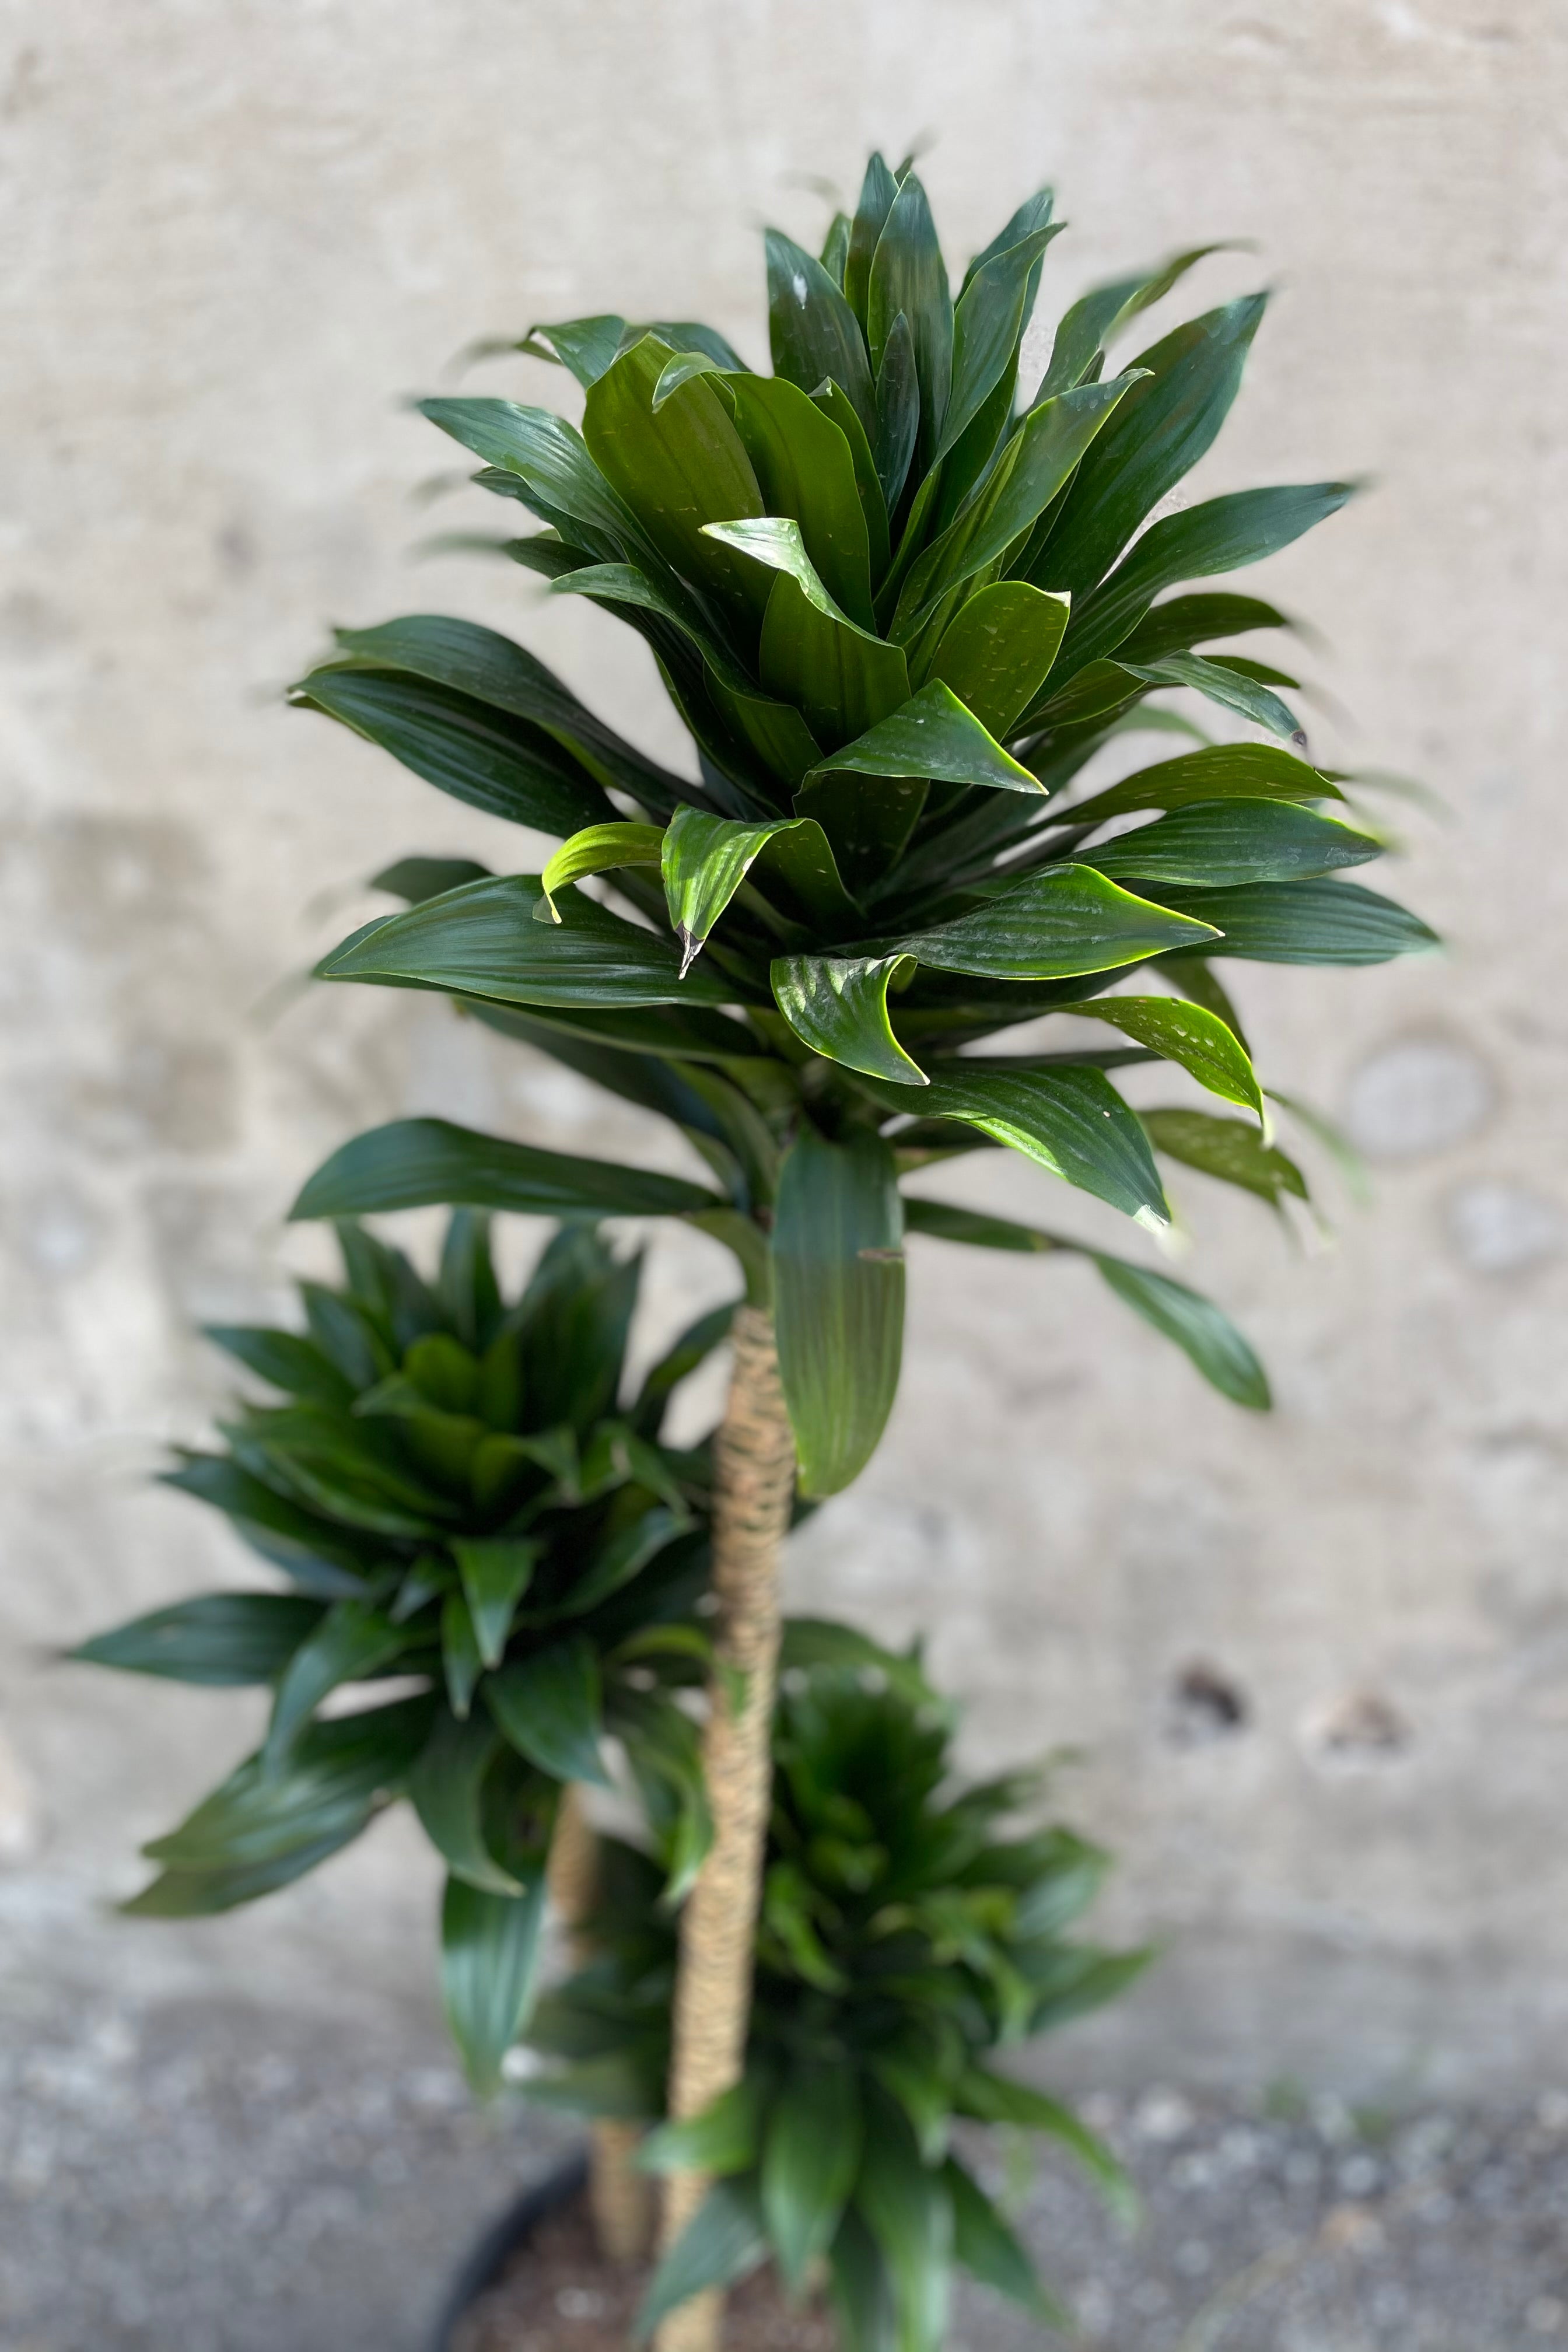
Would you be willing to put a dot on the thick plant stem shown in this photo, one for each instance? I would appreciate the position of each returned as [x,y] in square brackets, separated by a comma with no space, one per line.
[620,2196]
[754,1459]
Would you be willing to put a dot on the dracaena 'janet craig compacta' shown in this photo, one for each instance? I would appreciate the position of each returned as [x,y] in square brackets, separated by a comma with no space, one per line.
[900,601]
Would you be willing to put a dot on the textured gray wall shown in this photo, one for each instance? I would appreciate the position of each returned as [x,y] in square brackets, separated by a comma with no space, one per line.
[234,236]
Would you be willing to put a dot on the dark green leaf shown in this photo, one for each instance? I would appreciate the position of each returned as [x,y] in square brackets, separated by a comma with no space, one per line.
[677,469]
[352,1641]
[934,736]
[1052,441]
[550,459]
[482,940]
[461,1663]
[586,346]
[997,650]
[1221,683]
[810,2157]
[414,1161]
[1185,621]
[805,468]
[897,412]
[1307,922]
[841,677]
[987,324]
[1218,1349]
[445,1787]
[551,1709]
[496,1572]
[908,276]
[1222,771]
[1228,1148]
[839,1301]
[835,247]
[905,2205]
[839,1007]
[987,2248]
[813,330]
[1221,844]
[489,668]
[220,1638]
[1088,326]
[325,1560]
[1071,1121]
[492,761]
[284,1360]
[1219,535]
[836,403]
[1063,920]
[877,191]
[722,2241]
[489,1950]
[996,2099]
[1160,431]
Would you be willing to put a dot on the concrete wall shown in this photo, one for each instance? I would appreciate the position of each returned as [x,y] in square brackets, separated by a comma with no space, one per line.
[234,238]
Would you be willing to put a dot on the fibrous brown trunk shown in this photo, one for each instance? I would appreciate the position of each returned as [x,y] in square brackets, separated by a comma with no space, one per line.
[620,2196]
[754,1463]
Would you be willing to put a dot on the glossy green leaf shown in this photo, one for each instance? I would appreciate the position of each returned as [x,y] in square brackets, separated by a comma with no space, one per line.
[597,849]
[839,1301]
[1096,316]
[586,346]
[805,470]
[877,190]
[987,324]
[486,758]
[482,940]
[835,247]
[813,330]
[497,1570]
[988,2249]
[1221,772]
[836,403]
[1071,1121]
[839,1007]
[810,2156]
[1164,426]
[489,668]
[908,276]
[722,2241]
[706,859]
[1048,446]
[551,1709]
[411,1162]
[842,679]
[676,469]
[997,650]
[1222,844]
[1228,1148]
[721,2140]
[219,1639]
[931,735]
[352,1642]
[490,1954]
[897,412]
[325,1560]
[1062,921]
[1218,682]
[551,461]
[1219,535]
[1185,621]
[1308,922]
[446,1787]
[1209,1338]
[1205,1045]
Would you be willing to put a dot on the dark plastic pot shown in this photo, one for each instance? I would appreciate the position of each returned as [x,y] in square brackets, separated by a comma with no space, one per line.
[506,2236]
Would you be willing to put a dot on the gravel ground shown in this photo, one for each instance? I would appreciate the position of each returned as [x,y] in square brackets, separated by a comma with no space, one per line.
[232,2180]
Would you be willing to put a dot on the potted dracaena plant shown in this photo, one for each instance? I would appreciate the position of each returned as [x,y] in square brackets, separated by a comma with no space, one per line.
[465,1489]
[899,600]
